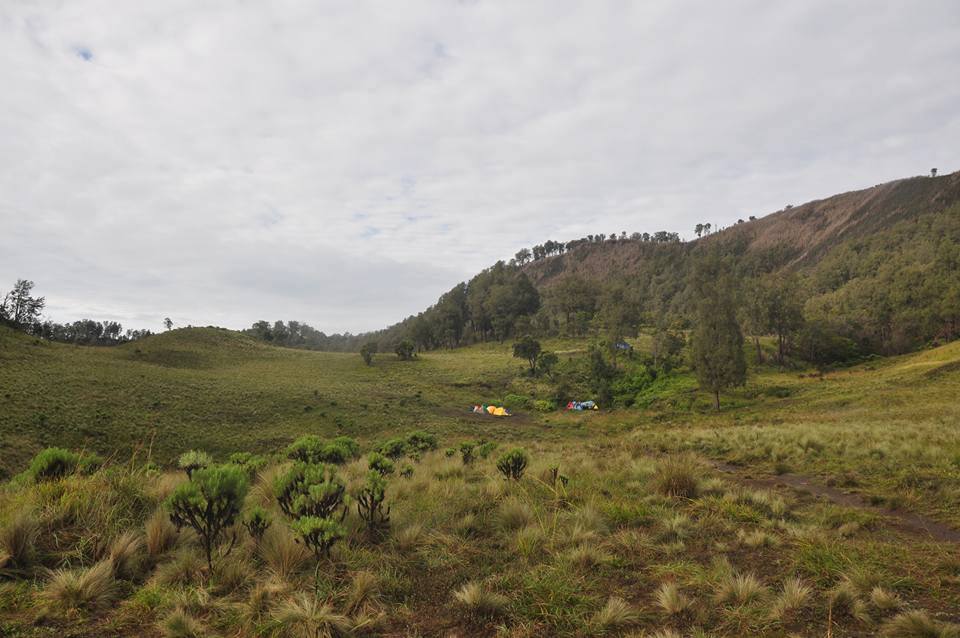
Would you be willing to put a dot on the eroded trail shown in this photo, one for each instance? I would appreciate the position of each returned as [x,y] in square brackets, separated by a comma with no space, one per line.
[907,521]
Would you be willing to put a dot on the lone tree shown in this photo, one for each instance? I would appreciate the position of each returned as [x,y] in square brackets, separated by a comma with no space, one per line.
[405,350]
[19,307]
[528,348]
[717,340]
[168,323]
[209,503]
[367,351]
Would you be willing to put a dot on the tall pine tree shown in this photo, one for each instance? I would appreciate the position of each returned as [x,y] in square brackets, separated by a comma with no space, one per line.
[717,341]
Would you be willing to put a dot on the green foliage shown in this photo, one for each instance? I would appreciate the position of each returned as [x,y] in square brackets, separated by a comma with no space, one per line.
[256,522]
[546,362]
[209,503]
[468,451]
[543,405]
[89,463]
[513,464]
[380,464]
[421,441]
[394,448]
[53,463]
[406,471]
[821,344]
[193,460]
[405,350]
[318,533]
[516,401]
[367,351]
[717,341]
[485,448]
[632,382]
[311,448]
[527,348]
[370,499]
[249,463]
[309,490]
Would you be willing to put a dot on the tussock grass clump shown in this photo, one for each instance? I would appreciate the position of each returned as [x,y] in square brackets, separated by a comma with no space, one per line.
[477,600]
[409,538]
[232,575]
[587,555]
[791,599]
[283,555]
[87,590]
[740,589]
[885,600]
[671,600]
[844,598]
[125,555]
[180,624]
[678,476]
[18,540]
[615,615]
[515,514]
[260,601]
[304,615]
[185,568]
[363,590]
[160,534]
[917,624]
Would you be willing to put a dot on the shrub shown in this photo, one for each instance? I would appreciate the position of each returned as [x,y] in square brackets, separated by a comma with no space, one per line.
[309,490]
[249,463]
[405,350]
[256,522]
[516,401]
[209,503]
[677,476]
[318,534]
[310,448]
[370,500]
[406,471]
[421,441]
[367,351]
[380,464]
[193,460]
[53,463]
[485,448]
[541,405]
[468,452]
[393,449]
[513,463]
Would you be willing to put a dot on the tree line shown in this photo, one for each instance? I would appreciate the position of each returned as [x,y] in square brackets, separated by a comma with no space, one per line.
[23,311]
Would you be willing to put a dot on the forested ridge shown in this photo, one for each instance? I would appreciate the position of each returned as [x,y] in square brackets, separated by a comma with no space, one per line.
[870,271]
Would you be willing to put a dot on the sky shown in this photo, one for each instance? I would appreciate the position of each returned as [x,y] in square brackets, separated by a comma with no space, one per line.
[344,163]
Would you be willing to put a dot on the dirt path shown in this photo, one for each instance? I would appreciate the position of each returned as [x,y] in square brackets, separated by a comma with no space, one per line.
[906,521]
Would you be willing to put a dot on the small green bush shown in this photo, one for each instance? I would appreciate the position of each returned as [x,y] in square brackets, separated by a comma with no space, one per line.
[516,401]
[468,451]
[370,500]
[249,463]
[209,503]
[513,464]
[380,464]
[53,463]
[319,534]
[257,521]
[194,460]
[310,448]
[394,448]
[541,405]
[309,490]
[421,441]
[485,448]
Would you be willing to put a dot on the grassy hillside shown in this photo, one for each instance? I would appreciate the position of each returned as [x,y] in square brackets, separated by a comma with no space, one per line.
[211,388]
[810,505]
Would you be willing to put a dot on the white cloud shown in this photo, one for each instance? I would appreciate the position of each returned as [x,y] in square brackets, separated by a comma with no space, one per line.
[344,163]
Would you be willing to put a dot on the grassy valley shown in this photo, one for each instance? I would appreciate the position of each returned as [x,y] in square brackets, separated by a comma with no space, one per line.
[786,513]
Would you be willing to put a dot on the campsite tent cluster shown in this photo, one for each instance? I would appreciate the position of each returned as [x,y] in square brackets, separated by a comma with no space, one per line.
[582,405]
[493,410]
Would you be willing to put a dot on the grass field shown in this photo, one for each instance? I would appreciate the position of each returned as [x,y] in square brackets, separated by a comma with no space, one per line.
[674,520]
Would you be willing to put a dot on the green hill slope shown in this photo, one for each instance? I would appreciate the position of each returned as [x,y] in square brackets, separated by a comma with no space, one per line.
[215,389]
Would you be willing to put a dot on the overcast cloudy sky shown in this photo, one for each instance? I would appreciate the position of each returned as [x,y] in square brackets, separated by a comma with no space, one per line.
[343,163]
